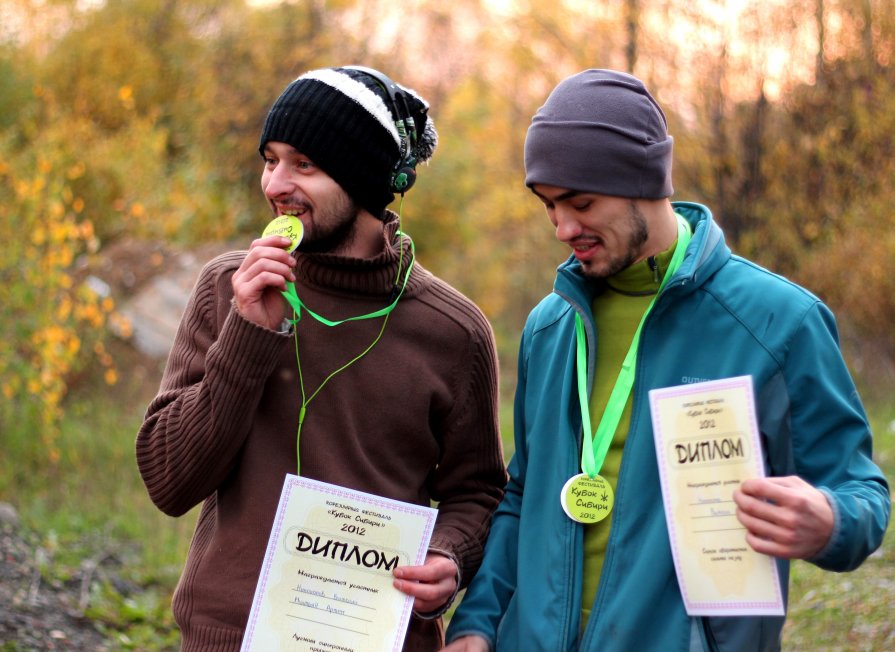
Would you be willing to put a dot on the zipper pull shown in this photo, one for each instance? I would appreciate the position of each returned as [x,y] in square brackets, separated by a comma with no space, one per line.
[654,266]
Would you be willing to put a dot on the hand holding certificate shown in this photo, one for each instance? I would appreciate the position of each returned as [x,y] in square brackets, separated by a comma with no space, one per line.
[706,445]
[326,580]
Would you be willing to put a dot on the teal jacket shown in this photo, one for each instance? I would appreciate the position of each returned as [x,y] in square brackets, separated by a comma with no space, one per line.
[719,316]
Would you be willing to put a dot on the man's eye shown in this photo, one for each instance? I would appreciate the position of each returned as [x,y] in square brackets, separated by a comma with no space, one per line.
[305,165]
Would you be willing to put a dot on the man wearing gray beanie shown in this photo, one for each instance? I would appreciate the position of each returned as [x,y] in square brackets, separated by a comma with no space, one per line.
[652,309]
[327,351]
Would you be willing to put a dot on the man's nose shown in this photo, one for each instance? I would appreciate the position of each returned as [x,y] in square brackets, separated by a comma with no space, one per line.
[567,226]
[278,182]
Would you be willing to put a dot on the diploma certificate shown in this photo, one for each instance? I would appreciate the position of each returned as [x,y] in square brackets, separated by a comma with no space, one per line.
[326,580]
[706,444]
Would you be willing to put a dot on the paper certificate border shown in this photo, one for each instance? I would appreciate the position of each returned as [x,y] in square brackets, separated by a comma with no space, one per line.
[726,607]
[290,485]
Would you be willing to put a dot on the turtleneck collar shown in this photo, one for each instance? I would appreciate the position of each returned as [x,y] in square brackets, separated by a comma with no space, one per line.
[644,276]
[375,276]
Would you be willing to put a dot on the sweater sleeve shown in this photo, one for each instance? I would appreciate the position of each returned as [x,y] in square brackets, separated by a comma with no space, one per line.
[195,426]
[469,480]
[489,593]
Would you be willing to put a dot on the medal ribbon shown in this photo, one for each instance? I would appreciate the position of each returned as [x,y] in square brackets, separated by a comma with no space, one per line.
[298,305]
[592,461]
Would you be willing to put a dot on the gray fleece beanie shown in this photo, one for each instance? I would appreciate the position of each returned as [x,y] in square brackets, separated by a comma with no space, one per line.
[601,131]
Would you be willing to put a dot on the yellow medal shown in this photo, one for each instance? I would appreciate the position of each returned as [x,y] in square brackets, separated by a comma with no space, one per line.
[287,226]
[587,500]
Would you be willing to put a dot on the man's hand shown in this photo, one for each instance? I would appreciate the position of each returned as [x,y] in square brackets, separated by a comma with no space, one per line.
[784,517]
[431,584]
[467,644]
[260,279]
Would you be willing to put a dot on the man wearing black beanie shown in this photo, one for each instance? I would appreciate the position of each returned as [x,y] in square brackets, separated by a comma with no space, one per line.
[375,376]
[603,540]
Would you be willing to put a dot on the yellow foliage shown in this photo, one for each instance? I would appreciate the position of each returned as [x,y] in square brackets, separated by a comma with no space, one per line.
[126,95]
[76,171]
[48,312]
[38,235]
[86,229]
[63,310]
[121,325]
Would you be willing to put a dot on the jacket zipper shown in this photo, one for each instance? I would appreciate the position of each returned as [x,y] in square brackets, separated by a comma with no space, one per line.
[623,470]
[654,268]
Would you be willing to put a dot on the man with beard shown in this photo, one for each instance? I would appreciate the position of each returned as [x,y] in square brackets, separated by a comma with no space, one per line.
[378,377]
[651,297]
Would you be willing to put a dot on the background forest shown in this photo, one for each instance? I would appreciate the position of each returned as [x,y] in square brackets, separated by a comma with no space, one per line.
[129,126]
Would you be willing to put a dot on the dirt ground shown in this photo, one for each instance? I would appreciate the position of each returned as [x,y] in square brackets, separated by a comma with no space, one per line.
[36,615]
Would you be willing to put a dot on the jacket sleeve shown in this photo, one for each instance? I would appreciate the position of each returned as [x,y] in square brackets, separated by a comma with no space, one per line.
[832,442]
[469,480]
[195,426]
[488,595]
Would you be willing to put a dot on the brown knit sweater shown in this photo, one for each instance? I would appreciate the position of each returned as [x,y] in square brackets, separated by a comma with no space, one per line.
[415,420]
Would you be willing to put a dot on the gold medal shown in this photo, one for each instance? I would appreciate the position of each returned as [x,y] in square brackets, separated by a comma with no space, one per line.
[587,500]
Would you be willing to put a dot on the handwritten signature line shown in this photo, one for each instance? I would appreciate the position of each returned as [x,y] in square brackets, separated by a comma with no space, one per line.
[317,622]
[333,613]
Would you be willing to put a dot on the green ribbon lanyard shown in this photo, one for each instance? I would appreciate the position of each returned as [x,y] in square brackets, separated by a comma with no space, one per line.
[297,306]
[592,462]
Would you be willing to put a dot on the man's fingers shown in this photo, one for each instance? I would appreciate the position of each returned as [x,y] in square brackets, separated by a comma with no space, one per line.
[433,570]
[775,489]
[767,528]
[431,584]
[784,517]
[424,590]
[275,241]
[467,644]
[265,259]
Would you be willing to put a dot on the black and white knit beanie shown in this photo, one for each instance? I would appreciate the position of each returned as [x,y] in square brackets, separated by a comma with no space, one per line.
[341,119]
[601,131]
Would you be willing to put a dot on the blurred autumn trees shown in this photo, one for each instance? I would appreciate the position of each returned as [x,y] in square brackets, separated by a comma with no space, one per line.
[140,118]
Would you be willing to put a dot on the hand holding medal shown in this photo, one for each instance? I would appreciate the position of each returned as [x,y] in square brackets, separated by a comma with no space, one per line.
[265,272]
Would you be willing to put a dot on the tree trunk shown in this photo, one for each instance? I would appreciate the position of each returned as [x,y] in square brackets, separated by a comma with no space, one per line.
[631,24]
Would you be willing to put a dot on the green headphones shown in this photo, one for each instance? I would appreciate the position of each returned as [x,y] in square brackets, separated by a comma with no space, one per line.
[404,173]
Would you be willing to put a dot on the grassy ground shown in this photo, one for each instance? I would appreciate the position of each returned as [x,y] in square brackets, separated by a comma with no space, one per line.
[849,612]
[91,507]
[88,514]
